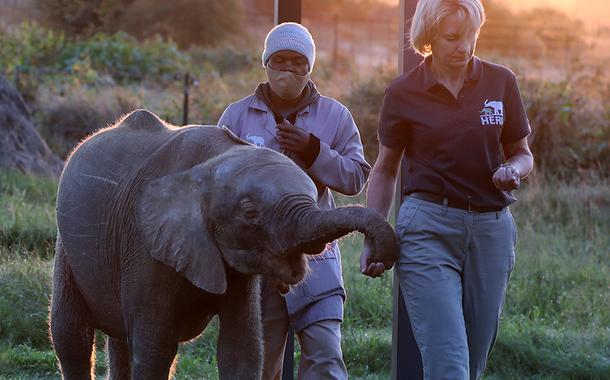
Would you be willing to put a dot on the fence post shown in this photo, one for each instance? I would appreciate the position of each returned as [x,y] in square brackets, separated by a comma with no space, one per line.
[335,41]
[406,358]
[185,105]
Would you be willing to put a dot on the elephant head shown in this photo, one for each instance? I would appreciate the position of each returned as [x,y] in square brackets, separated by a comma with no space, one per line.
[251,208]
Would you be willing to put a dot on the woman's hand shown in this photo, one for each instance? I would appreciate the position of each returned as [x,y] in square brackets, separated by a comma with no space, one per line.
[519,163]
[506,178]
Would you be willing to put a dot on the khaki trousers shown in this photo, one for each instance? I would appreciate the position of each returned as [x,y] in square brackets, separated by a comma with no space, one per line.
[453,269]
[320,342]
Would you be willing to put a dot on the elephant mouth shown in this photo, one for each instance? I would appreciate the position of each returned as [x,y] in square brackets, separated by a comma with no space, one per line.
[294,269]
[289,266]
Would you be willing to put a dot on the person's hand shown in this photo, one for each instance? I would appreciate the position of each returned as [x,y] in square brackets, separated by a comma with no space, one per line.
[369,266]
[506,177]
[291,138]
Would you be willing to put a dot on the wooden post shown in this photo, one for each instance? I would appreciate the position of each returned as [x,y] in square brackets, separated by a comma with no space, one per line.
[406,358]
[288,11]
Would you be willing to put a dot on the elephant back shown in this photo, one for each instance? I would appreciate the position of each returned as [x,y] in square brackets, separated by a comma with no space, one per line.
[101,180]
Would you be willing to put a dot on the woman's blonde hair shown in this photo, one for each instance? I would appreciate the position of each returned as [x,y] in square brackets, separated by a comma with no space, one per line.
[430,13]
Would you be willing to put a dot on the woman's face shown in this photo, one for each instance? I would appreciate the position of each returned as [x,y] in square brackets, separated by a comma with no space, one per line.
[455,42]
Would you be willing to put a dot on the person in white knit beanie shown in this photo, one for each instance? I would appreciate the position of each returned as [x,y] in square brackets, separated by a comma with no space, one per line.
[288,114]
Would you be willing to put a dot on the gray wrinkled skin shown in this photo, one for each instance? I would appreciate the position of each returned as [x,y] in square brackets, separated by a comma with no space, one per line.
[160,228]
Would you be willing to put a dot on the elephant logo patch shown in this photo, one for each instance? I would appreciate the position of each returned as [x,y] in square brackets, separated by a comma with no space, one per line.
[255,140]
[492,113]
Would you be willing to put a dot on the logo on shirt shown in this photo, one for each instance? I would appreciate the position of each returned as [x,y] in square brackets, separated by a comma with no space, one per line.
[492,113]
[255,140]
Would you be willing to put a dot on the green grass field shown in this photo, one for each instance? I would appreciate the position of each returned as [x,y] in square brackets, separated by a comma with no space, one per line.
[556,323]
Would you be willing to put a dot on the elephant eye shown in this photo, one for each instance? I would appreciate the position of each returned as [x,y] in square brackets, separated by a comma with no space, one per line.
[250,210]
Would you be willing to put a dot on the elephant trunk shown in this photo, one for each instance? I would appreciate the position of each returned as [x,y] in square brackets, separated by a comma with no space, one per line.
[322,226]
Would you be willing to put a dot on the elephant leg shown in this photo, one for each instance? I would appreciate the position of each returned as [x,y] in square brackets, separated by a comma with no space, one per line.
[72,334]
[240,343]
[153,345]
[119,363]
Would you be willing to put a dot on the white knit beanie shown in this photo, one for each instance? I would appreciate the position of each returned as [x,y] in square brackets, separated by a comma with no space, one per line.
[290,36]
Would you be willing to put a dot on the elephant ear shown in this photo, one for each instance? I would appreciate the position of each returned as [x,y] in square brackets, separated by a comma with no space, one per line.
[170,216]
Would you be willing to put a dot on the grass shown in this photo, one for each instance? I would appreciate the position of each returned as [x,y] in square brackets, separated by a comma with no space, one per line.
[556,323]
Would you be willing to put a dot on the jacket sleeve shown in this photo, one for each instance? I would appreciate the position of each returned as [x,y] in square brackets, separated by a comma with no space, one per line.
[341,165]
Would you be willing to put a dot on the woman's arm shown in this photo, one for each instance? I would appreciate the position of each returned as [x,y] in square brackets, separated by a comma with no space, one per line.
[519,163]
[379,197]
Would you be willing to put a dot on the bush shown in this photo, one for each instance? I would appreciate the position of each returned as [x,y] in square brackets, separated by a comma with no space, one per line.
[43,56]
[188,22]
[65,120]
[126,59]
[25,285]
[27,214]
[364,101]
[570,129]
[225,59]
[75,17]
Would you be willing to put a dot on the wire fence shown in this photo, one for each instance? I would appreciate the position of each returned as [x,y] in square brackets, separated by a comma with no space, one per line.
[361,42]
[372,42]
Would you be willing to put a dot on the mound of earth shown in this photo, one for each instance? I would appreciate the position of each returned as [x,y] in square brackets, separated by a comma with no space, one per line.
[21,146]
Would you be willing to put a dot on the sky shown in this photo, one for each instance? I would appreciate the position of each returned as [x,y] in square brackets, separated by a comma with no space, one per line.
[593,12]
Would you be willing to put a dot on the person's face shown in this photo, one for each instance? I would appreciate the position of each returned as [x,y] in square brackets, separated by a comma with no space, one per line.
[288,60]
[455,42]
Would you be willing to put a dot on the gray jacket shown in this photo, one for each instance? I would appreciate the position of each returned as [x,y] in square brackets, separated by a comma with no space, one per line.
[340,166]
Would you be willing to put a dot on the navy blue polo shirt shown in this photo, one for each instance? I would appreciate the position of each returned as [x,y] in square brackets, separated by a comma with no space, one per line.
[453,145]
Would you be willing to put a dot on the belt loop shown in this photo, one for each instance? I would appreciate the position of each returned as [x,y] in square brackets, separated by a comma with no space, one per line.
[445,205]
[497,214]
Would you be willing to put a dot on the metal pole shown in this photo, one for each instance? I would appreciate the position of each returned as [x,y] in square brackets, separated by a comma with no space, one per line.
[406,358]
[185,106]
[286,11]
[335,41]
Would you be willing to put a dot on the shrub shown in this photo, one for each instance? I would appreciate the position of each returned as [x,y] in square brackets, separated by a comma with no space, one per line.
[126,59]
[570,130]
[27,214]
[225,59]
[188,22]
[43,56]
[79,16]
[65,120]
[25,285]
[364,101]
[215,92]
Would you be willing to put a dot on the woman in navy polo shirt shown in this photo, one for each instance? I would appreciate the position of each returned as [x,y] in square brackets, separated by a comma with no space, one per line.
[462,127]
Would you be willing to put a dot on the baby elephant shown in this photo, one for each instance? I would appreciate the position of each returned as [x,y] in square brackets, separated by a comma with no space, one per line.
[160,228]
